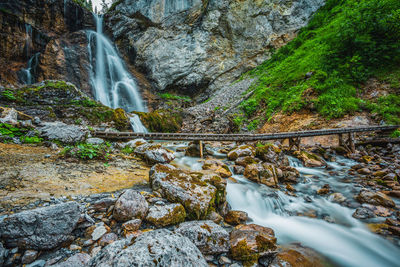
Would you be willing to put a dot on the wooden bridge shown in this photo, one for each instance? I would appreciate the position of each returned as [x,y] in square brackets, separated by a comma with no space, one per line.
[294,137]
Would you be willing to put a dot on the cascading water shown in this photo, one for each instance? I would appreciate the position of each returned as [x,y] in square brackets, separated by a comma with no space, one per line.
[27,76]
[346,242]
[112,84]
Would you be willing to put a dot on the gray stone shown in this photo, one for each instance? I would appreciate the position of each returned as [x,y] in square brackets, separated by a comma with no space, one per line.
[79,259]
[38,263]
[209,237]
[42,228]
[9,116]
[95,141]
[165,215]
[363,213]
[29,256]
[98,232]
[155,248]
[155,153]
[130,205]
[63,132]
[179,42]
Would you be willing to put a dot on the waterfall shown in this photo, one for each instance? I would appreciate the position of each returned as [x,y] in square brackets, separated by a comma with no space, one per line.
[27,76]
[112,84]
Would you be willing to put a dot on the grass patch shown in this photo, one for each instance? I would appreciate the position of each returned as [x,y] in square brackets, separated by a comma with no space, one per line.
[323,69]
[86,151]
[174,97]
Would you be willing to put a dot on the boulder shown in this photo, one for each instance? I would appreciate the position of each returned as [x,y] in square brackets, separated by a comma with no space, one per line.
[236,217]
[155,153]
[238,169]
[135,143]
[289,175]
[63,132]
[241,151]
[264,173]
[375,198]
[164,215]
[309,159]
[244,161]
[249,242]
[218,167]
[297,255]
[209,237]
[154,248]
[41,228]
[130,205]
[272,154]
[363,213]
[199,193]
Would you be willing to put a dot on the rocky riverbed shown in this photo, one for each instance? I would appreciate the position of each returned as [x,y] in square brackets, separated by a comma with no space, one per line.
[243,205]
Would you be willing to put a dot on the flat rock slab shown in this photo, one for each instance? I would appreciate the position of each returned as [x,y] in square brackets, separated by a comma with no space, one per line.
[155,248]
[42,228]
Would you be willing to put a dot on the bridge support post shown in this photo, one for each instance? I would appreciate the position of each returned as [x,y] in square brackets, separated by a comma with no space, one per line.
[341,142]
[201,149]
[350,142]
[294,142]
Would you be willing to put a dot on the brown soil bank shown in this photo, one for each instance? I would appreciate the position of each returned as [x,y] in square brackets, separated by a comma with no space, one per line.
[30,173]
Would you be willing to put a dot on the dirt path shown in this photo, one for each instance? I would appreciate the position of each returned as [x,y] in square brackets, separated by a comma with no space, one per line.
[30,173]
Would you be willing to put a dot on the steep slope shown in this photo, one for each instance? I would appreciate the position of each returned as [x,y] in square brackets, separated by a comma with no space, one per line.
[344,62]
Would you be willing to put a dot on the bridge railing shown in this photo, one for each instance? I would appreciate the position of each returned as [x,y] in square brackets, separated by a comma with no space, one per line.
[240,137]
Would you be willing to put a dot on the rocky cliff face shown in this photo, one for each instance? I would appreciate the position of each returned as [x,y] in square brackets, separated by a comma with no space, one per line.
[51,28]
[194,46]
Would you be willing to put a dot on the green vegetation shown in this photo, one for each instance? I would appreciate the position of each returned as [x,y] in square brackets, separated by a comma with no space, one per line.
[31,139]
[8,95]
[395,134]
[127,150]
[85,4]
[20,132]
[345,43]
[175,97]
[164,121]
[87,151]
[11,131]
[253,125]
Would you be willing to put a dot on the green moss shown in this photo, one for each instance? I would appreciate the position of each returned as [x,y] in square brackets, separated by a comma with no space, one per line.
[163,121]
[344,44]
[121,120]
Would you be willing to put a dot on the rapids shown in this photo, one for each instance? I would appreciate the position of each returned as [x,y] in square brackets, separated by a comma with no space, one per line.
[333,232]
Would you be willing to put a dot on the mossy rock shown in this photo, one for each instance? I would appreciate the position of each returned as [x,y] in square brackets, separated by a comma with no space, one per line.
[121,120]
[163,121]
[166,215]
[199,193]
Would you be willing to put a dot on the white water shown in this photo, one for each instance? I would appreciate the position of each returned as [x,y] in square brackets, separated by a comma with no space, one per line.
[137,125]
[26,74]
[112,84]
[347,242]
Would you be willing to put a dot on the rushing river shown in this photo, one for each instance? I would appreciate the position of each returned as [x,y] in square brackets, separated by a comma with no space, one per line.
[346,241]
